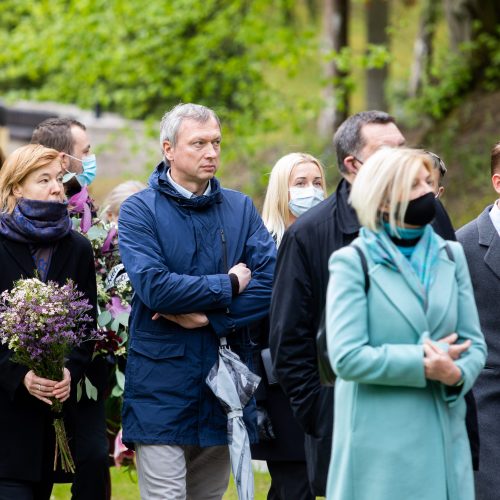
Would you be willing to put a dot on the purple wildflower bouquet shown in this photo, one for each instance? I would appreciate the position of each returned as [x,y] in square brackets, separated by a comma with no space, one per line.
[114,296]
[114,291]
[41,323]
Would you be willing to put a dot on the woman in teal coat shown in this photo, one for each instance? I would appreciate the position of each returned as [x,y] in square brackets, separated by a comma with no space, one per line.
[406,349]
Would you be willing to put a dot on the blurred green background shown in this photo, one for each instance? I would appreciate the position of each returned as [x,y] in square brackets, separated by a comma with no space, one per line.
[272,69]
[280,73]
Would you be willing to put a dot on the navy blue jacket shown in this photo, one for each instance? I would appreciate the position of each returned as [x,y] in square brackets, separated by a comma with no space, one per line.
[177,252]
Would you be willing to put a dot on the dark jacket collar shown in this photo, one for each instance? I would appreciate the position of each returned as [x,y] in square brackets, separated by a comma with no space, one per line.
[159,181]
[488,237]
[346,217]
[485,227]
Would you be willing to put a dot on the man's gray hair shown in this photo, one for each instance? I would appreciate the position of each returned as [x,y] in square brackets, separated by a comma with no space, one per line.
[172,120]
[348,139]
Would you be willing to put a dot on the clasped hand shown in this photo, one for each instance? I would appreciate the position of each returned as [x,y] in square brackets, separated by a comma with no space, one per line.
[43,388]
[439,365]
[200,319]
[187,320]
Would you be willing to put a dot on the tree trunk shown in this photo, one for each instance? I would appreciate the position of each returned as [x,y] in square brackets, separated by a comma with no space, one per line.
[335,31]
[377,19]
[461,16]
[423,46]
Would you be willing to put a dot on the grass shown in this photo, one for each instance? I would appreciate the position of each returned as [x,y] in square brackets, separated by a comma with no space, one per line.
[125,487]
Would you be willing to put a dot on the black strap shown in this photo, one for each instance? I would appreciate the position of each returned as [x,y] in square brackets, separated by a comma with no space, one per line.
[326,374]
[364,265]
[449,252]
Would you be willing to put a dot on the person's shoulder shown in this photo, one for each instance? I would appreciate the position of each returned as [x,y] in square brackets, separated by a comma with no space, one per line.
[139,201]
[141,196]
[459,253]
[238,204]
[469,231]
[349,252]
[455,247]
[234,195]
[348,257]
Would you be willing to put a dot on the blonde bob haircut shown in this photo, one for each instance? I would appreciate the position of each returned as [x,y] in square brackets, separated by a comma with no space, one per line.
[118,195]
[384,183]
[275,212]
[18,165]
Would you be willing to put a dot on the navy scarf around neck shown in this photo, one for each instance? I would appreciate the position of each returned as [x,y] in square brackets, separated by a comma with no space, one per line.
[35,222]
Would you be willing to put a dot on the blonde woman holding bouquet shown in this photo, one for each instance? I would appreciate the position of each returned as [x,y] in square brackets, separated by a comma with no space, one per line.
[36,239]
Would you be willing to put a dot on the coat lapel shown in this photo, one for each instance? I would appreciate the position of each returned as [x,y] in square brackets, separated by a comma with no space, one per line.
[21,254]
[397,291]
[439,294]
[488,237]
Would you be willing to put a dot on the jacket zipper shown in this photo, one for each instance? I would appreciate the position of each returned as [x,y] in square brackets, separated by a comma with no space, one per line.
[224,249]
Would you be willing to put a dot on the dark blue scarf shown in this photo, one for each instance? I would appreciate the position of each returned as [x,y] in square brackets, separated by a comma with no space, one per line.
[34,221]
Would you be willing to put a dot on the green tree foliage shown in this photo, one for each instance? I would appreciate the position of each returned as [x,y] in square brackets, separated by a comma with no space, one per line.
[140,58]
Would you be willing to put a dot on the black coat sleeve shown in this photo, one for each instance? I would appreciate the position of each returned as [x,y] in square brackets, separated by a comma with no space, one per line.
[11,374]
[293,327]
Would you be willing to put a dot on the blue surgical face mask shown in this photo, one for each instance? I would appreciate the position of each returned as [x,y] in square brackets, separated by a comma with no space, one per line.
[304,198]
[89,166]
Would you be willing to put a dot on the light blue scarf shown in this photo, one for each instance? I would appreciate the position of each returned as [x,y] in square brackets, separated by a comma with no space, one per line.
[405,233]
[419,270]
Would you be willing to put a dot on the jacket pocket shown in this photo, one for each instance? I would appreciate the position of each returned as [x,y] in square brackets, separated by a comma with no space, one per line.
[156,370]
[154,349]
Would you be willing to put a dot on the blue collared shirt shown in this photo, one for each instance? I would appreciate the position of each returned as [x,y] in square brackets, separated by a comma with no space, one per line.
[183,191]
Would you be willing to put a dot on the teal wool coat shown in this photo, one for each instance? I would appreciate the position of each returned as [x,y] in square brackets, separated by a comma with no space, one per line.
[397,435]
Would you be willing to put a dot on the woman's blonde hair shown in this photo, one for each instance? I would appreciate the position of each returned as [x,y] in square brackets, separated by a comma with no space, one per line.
[386,180]
[18,165]
[275,212]
[118,195]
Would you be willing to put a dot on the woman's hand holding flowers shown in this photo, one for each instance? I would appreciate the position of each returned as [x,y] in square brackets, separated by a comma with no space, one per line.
[43,388]
[62,389]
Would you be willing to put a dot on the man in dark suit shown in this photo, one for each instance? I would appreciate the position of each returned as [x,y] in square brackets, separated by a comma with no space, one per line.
[86,420]
[301,280]
[481,241]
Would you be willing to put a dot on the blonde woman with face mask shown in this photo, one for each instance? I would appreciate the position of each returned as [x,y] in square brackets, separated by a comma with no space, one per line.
[296,184]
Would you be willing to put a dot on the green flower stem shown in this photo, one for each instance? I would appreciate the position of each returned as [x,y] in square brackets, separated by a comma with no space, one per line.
[62,447]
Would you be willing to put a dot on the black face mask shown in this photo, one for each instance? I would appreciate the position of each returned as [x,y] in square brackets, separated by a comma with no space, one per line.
[421,210]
